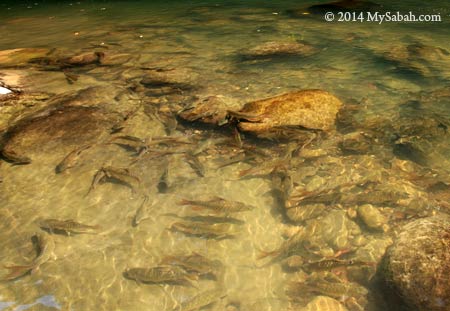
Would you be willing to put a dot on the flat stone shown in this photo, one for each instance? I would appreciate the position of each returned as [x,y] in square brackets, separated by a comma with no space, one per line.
[53,130]
[310,109]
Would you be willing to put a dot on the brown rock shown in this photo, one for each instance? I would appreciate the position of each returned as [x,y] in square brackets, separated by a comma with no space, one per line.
[84,59]
[210,110]
[311,109]
[175,78]
[50,130]
[423,59]
[20,57]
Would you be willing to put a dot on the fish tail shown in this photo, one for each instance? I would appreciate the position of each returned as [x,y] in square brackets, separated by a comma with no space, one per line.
[17,271]
[96,227]
[244,172]
[265,254]
[193,277]
[185,202]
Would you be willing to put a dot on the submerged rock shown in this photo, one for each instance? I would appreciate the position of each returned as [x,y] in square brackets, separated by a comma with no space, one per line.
[20,57]
[270,49]
[209,110]
[176,78]
[420,58]
[336,6]
[310,109]
[418,263]
[372,217]
[83,59]
[53,130]
[323,303]
[344,6]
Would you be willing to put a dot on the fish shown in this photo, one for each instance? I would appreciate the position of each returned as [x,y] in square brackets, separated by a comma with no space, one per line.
[195,163]
[15,158]
[219,204]
[121,175]
[288,248]
[129,142]
[265,168]
[245,116]
[163,184]
[201,300]
[70,77]
[141,212]
[67,227]
[237,137]
[170,122]
[214,231]
[98,177]
[160,274]
[44,248]
[207,144]
[240,157]
[71,159]
[208,219]
[282,186]
[194,263]
[329,264]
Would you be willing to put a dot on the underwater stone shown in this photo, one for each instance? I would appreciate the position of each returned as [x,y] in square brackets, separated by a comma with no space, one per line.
[337,6]
[20,57]
[372,217]
[50,130]
[177,78]
[311,109]
[420,58]
[418,263]
[270,49]
[323,303]
[209,110]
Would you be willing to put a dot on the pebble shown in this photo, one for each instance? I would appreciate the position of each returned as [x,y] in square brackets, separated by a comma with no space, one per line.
[4,90]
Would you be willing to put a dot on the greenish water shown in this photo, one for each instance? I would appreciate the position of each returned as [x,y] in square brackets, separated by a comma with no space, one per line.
[203,43]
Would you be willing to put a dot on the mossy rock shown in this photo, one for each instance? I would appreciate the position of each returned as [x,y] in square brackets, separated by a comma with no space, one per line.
[418,264]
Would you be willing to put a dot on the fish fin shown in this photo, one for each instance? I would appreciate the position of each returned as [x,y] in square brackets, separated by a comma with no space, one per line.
[197,208]
[17,271]
[170,215]
[265,254]
[217,198]
[244,173]
[185,202]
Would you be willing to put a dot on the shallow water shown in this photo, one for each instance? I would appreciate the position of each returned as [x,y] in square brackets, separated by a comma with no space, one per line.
[206,39]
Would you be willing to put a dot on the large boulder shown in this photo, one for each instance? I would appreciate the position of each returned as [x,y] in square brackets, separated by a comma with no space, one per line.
[418,264]
[310,109]
[45,132]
